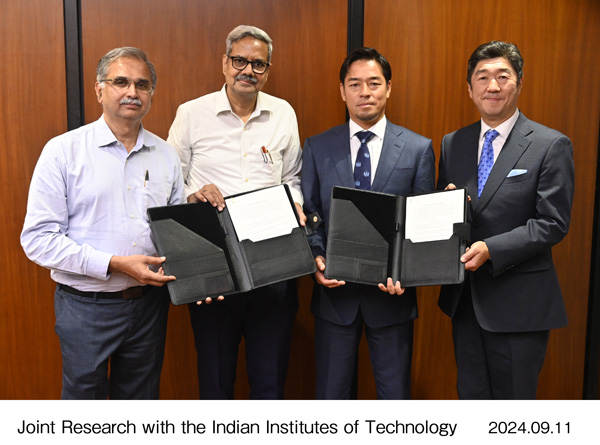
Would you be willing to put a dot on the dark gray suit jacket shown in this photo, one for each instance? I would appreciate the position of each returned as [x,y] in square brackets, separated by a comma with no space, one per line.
[406,166]
[524,210]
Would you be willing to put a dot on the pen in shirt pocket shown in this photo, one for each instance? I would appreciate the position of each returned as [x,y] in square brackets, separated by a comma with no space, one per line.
[266,155]
[146,178]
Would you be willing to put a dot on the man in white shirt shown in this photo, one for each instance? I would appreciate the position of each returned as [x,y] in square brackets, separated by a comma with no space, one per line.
[235,140]
[86,221]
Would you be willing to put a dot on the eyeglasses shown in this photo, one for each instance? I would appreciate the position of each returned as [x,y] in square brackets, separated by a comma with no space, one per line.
[123,83]
[258,66]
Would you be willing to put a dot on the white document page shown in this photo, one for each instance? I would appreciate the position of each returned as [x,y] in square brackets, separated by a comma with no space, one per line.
[431,217]
[262,214]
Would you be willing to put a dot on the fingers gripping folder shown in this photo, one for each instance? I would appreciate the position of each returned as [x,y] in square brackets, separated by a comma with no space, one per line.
[417,240]
[209,257]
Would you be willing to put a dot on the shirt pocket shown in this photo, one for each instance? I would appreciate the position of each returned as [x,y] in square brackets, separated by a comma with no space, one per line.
[266,168]
[155,194]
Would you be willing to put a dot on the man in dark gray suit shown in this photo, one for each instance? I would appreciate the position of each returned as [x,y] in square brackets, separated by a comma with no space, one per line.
[520,178]
[400,162]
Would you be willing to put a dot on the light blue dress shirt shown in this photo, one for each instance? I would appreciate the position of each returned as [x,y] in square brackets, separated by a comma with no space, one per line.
[88,200]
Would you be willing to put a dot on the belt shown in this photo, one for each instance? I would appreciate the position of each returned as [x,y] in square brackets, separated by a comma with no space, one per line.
[128,294]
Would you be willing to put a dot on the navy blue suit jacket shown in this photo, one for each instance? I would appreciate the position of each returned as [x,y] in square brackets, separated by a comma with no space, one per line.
[524,210]
[406,166]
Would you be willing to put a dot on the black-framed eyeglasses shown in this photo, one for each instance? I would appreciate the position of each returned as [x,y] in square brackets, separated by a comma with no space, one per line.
[258,66]
[123,83]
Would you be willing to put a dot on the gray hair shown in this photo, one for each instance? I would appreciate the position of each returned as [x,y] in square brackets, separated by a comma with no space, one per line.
[241,31]
[118,53]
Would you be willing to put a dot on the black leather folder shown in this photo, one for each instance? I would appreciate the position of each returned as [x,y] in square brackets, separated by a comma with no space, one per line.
[366,242]
[204,253]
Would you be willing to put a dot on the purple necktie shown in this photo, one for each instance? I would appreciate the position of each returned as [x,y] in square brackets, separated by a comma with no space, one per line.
[362,167]
[486,161]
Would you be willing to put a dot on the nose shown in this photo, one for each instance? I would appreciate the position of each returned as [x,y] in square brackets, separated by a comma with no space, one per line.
[248,70]
[364,90]
[493,85]
[131,90]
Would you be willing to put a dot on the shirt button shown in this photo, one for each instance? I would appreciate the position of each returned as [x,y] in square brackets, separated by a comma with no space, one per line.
[245,128]
[131,216]
[246,180]
[134,244]
[245,154]
[128,188]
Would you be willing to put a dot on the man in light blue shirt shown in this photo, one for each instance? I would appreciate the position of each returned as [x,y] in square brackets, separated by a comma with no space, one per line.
[86,221]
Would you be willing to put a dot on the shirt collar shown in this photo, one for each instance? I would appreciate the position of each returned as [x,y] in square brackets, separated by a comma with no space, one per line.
[105,136]
[503,129]
[378,129]
[222,103]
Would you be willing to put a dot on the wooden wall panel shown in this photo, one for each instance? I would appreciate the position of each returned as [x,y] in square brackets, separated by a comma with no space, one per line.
[186,39]
[428,43]
[33,111]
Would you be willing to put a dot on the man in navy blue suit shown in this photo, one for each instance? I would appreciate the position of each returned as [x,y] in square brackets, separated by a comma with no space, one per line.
[401,162]
[520,207]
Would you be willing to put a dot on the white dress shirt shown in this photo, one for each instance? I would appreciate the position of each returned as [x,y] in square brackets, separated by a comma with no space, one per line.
[503,130]
[88,200]
[375,144]
[216,147]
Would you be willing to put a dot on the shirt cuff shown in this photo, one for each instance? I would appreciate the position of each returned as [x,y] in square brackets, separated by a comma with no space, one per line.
[97,266]
[187,190]
[297,196]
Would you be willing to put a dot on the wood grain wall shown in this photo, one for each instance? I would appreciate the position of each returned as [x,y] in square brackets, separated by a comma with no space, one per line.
[33,111]
[427,42]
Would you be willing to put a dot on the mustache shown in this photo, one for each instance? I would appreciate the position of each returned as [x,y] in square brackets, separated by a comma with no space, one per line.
[247,78]
[130,100]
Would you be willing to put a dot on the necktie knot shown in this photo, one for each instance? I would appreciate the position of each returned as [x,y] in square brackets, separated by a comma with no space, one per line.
[364,136]
[490,135]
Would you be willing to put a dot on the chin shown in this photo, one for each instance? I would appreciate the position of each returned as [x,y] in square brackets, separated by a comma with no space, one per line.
[367,117]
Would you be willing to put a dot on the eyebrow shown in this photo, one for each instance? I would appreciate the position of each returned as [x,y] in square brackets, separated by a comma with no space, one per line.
[353,79]
[485,70]
[242,57]
[129,78]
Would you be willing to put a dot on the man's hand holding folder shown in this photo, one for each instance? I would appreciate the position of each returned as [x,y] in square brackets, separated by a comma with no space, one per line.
[476,255]
[209,193]
[320,276]
[208,300]
[389,287]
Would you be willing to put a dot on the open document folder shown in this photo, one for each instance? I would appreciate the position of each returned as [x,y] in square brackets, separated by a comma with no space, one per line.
[417,240]
[255,241]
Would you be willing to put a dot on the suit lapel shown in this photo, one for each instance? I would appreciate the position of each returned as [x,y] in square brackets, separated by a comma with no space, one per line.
[513,149]
[390,155]
[471,147]
[342,159]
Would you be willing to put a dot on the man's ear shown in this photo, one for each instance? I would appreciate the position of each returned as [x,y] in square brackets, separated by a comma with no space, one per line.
[98,92]
[342,92]
[225,60]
